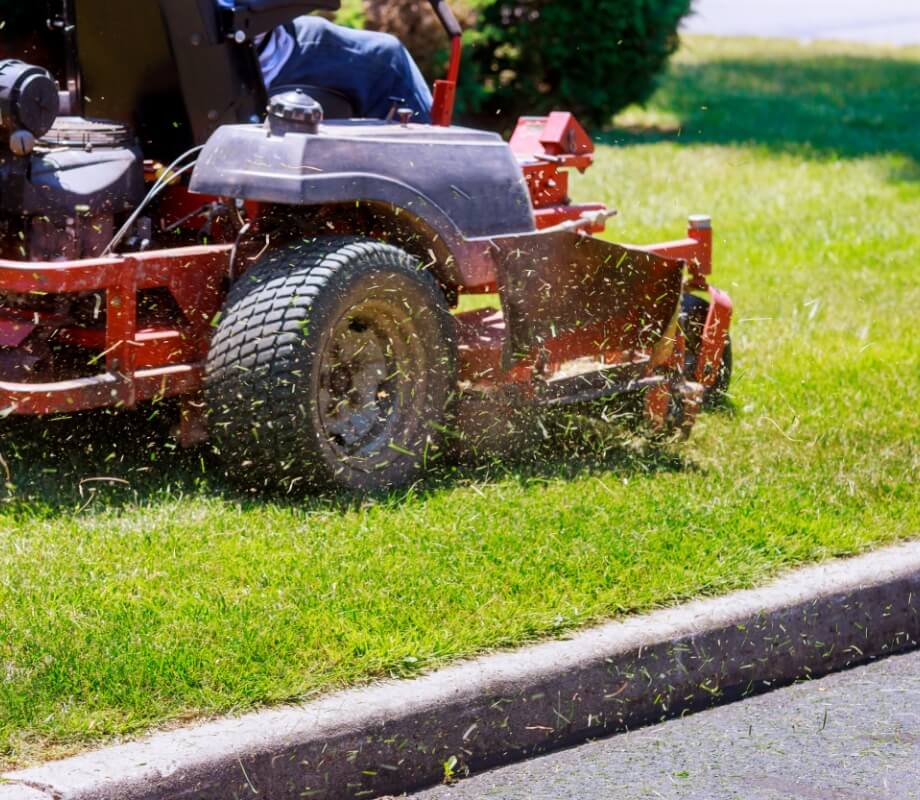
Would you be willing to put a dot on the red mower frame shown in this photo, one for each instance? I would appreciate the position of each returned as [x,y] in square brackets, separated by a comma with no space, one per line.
[135,363]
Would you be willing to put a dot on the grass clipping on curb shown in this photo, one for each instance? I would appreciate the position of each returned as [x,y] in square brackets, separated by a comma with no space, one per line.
[136,589]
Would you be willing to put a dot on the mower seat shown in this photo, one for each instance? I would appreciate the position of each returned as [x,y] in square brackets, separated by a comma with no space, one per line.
[173,68]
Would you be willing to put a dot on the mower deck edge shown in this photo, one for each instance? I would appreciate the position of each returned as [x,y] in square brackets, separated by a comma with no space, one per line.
[396,736]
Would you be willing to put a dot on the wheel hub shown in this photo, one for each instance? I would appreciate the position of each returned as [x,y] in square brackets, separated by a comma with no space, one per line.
[355,399]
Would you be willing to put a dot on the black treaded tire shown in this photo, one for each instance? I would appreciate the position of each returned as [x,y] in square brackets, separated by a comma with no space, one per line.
[694,311]
[332,364]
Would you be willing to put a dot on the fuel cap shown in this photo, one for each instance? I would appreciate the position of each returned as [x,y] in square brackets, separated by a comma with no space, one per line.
[297,110]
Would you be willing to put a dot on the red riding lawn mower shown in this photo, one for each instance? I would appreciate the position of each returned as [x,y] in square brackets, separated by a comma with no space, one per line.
[288,273]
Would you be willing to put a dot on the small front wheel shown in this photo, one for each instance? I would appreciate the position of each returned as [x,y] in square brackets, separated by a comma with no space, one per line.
[333,363]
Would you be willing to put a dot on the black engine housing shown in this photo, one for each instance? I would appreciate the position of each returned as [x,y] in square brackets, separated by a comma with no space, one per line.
[63,180]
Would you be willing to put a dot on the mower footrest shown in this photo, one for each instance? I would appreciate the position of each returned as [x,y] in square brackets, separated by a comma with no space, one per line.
[95,391]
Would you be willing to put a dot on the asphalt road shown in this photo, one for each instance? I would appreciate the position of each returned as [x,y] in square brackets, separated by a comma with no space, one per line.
[879,21]
[853,735]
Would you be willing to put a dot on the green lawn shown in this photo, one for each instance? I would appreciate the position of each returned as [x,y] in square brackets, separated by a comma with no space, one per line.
[137,590]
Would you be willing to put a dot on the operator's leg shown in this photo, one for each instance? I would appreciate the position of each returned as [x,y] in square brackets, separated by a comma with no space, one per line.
[368,66]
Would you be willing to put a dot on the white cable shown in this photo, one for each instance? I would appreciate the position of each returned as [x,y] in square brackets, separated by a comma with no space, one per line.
[166,178]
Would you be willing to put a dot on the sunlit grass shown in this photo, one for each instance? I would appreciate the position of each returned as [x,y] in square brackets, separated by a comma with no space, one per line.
[163,594]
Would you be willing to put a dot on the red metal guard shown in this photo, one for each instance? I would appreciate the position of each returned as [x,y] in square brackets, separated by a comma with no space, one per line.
[193,276]
[696,250]
[546,147]
[715,334]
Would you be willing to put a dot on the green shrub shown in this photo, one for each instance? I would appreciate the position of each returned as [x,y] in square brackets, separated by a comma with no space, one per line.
[534,56]
[416,26]
[592,58]
[351,14]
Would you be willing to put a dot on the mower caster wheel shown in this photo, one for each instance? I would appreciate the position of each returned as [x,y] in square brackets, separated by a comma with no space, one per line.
[332,364]
[670,411]
[694,311]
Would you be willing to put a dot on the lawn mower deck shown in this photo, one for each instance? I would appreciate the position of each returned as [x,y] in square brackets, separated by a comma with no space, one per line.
[296,293]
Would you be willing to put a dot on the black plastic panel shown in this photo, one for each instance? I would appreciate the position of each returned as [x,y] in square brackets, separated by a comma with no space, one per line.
[162,66]
[462,182]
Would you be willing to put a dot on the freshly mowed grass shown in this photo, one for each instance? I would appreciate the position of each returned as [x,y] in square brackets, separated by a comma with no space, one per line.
[160,593]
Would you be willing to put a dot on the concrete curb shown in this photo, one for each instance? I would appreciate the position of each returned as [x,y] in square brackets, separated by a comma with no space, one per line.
[397,736]
[20,792]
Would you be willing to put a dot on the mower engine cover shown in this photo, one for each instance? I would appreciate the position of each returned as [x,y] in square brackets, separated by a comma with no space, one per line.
[456,179]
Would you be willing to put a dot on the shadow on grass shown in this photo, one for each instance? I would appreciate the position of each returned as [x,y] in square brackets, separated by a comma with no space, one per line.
[801,101]
[91,461]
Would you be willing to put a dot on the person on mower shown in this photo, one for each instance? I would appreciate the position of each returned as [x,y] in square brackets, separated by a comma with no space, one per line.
[372,69]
